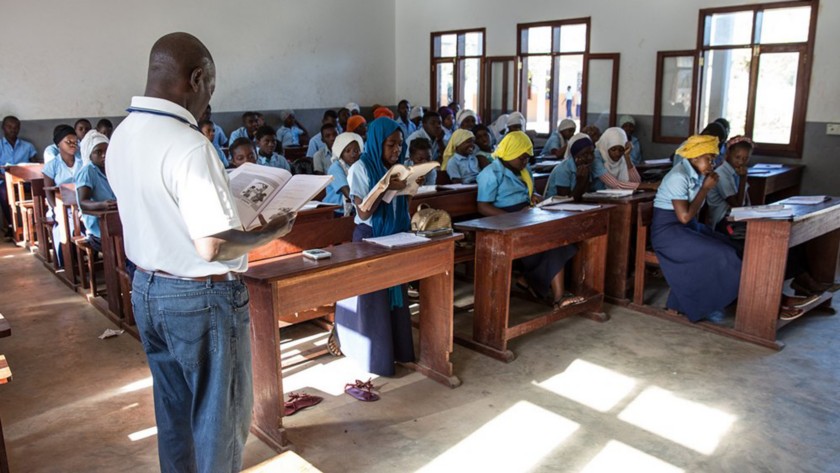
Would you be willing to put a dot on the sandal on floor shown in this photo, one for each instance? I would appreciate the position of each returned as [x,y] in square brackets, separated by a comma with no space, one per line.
[790,313]
[333,346]
[362,391]
[298,402]
[567,300]
[798,302]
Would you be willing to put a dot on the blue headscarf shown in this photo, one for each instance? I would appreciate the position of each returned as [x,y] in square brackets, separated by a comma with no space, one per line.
[388,218]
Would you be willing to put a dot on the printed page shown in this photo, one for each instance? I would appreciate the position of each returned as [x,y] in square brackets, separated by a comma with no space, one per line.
[252,186]
[398,240]
[408,174]
[297,192]
[761,211]
[572,207]
[554,200]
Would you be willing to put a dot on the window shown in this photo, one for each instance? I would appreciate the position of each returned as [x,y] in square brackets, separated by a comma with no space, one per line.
[552,72]
[751,67]
[456,68]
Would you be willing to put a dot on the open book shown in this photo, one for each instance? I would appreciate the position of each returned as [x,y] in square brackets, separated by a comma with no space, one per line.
[267,191]
[761,211]
[410,174]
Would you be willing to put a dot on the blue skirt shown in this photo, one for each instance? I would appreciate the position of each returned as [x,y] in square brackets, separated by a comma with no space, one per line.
[369,331]
[701,266]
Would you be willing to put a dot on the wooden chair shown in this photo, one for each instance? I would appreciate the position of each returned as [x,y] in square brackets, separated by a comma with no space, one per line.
[27,214]
[42,230]
[644,256]
[124,281]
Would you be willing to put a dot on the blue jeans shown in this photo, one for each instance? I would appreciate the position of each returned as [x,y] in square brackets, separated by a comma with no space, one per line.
[196,338]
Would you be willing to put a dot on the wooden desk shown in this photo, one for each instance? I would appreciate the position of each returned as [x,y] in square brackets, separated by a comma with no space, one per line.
[763,269]
[292,283]
[775,184]
[504,238]
[65,198]
[619,272]
[110,228]
[16,179]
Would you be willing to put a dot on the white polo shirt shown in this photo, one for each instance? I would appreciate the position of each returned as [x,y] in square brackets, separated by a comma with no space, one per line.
[171,190]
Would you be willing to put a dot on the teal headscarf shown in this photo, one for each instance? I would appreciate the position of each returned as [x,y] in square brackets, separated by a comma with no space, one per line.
[388,218]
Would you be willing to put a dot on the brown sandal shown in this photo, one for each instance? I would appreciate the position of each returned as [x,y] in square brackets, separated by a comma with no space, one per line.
[567,300]
[362,391]
[298,402]
[333,345]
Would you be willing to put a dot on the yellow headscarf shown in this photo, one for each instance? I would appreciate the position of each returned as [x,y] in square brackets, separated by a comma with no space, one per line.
[456,140]
[699,145]
[514,145]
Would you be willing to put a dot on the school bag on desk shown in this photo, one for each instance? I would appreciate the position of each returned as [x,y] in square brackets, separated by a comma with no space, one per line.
[427,219]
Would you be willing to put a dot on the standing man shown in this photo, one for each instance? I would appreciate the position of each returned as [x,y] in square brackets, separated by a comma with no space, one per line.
[183,233]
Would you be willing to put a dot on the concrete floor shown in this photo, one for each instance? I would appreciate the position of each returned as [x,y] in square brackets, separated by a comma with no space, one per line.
[633,394]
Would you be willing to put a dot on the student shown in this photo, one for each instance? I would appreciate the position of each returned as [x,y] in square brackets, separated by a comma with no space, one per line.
[316,143]
[578,175]
[380,112]
[455,107]
[731,188]
[241,152]
[343,116]
[345,152]
[208,129]
[459,162]
[701,266]
[419,152]
[447,122]
[628,124]
[415,118]
[507,185]
[323,159]
[593,131]
[61,171]
[248,128]
[291,132]
[498,129]
[431,130]
[556,144]
[92,188]
[51,151]
[614,151]
[404,117]
[220,140]
[516,122]
[266,144]
[353,108]
[375,329]
[484,148]
[715,129]
[105,127]
[358,125]
[466,119]
[82,127]
[13,150]
[260,119]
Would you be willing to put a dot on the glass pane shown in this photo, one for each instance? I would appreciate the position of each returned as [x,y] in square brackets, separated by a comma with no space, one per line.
[448,45]
[729,28]
[572,38]
[726,77]
[537,40]
[569,71]
[445,83]
[775,97]
[473,44]
[537,93]
[785,25]
[471,76]
[496,90]
[675,108]
[599,92]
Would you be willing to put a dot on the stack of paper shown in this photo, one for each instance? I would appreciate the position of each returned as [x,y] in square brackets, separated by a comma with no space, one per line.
[761,211]
[555,200]
[427,189]
[398,240]
[657,162]
[767,166]
[806,200]
[455,187]
[615,192]
[572,207]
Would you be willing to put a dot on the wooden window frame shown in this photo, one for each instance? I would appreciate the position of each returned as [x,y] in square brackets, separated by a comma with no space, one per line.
[487,77]
[657,99]
[456,60]
[520,64]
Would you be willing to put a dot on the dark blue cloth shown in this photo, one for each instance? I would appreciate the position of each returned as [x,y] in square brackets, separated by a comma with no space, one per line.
[701,265]
[370,331]
[196,336]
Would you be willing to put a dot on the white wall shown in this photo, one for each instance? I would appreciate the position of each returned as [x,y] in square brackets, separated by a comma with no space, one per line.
[87,58]
[637,29]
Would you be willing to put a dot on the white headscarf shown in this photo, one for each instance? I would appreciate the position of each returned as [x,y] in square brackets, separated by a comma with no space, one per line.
[516,118]
[572,141]
[91,140]
[463,114]
[500,125]
[566,124]
[284,114]
[341,142]
[416,112]
[353,107]
[614,136]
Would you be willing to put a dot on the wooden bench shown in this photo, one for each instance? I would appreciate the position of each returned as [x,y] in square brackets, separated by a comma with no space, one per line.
[17,178]
[644,256]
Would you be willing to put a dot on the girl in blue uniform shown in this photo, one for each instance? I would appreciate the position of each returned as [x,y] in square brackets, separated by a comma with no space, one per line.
[507,185]
[61,170]
[375,329]
[345,151]
[701,266]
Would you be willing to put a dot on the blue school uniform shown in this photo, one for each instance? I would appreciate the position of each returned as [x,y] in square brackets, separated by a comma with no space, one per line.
[21,152]
[92,177]
[339,175]
[275,161]
[421,133]
[221,154]
[499,186]
[289,136]
[322,160]
[565,175]
[464,168]
[407,127]
[430,178]
[701,266]
[219,138]
[315,144]
[726,187]
[554,141]
[374,329]
[240,132]
[636,152]
[51,152]
[60,173]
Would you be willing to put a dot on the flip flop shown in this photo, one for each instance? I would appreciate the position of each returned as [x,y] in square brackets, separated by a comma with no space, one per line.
[298,402]
[362,391]
[790,313]
[798,302]
[567,300]
[333,345]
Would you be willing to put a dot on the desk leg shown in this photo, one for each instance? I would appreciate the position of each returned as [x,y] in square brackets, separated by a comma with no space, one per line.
[762,276]
[436,329]
[39,207]
[822,259]
[11,195]
[112,283]
[265,362]
[589,270]
[618,253]
[493,262]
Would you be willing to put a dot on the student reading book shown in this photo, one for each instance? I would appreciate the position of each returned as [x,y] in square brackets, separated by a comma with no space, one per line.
[409,174]
[262,192]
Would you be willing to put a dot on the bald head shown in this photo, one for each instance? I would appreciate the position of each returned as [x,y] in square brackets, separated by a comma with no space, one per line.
[181,70]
